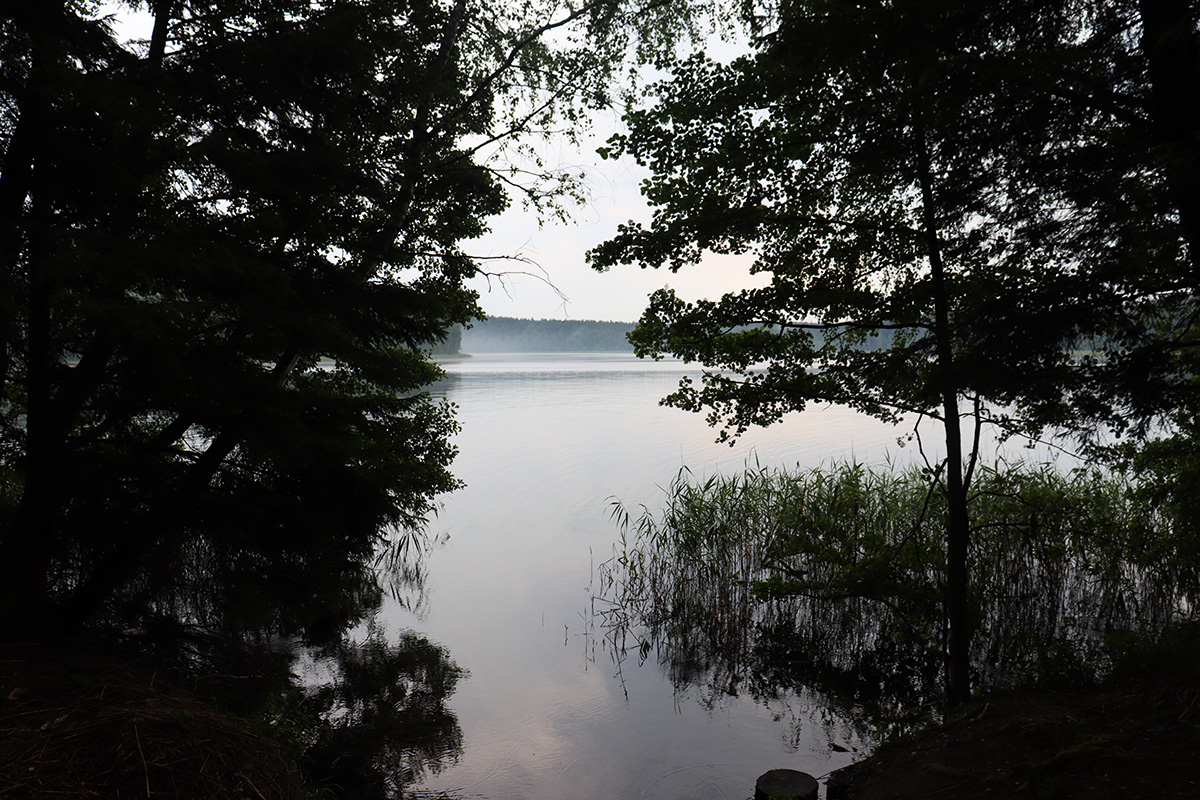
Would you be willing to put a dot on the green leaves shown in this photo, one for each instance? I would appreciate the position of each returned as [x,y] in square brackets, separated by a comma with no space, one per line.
[973,180]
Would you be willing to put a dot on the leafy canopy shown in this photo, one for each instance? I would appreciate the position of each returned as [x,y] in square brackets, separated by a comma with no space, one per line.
[226,251]
[980,202]
[857,143]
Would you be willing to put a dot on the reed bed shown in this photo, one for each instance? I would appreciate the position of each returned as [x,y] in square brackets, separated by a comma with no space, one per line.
[833,577]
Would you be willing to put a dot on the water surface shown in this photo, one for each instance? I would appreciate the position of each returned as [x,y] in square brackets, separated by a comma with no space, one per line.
[547,442]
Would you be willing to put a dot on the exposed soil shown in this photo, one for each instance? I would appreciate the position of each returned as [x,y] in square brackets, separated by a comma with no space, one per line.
[1142,743]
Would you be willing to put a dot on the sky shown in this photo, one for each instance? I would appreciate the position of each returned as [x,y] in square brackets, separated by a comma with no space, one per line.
[554,280]
[561,285]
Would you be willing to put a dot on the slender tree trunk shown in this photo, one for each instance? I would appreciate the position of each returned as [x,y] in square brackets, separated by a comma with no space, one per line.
[14,189]
[958,665]
[30,542]
[27,546]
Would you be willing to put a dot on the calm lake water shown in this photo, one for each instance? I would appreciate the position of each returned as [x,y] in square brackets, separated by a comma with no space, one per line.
[547,442]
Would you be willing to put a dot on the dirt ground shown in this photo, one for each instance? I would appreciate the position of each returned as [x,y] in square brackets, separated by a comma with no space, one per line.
[76,725]
[1140,743]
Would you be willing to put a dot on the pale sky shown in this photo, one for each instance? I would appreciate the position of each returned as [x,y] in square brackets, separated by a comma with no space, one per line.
[560,249]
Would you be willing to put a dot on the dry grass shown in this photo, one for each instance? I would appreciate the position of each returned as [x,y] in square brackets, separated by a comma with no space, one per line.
[76,725]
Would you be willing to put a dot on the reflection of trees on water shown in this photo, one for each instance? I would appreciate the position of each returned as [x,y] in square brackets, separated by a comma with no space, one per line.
[362,719]
[781,585]
[371,717]
[378,721]
[365,718]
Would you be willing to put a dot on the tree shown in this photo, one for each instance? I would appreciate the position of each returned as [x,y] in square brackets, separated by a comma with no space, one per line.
[225,251]
[947,172]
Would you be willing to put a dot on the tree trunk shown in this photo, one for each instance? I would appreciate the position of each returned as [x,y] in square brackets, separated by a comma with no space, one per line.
[27,546]
[958,531]
[27,209]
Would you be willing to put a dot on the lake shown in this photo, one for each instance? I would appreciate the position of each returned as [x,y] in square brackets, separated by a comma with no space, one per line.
[548,441]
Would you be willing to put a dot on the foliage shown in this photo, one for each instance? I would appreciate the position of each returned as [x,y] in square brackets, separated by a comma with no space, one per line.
[225,251]
[1166,466]
[451,344]
[809,156]
[1050,191]
[833,578]
[996,183]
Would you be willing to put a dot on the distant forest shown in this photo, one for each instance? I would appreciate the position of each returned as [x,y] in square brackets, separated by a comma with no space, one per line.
[511,335]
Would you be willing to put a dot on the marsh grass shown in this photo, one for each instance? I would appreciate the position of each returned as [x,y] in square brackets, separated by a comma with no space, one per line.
[832,578]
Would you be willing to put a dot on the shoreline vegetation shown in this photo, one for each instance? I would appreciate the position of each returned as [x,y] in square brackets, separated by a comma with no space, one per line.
[521,335]
[1071,572]
[829,579]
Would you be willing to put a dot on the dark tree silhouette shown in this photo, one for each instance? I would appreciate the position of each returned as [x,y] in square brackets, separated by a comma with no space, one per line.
[998,184]
[225,253]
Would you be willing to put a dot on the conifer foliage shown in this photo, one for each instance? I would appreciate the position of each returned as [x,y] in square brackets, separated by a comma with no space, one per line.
[225,252]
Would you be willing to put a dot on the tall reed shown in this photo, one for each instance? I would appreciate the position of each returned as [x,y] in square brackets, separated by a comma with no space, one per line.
[834,576]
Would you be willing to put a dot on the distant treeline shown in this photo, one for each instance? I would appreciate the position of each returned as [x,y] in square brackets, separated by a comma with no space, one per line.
[510,335]
[513,335]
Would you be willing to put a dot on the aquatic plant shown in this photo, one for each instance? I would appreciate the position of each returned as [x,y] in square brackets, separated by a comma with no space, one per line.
[833,578]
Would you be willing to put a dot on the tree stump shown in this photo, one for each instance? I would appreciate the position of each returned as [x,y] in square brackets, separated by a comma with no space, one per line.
[785,784]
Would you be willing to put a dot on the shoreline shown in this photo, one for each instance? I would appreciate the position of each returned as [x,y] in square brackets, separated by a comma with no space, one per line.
[1136,741]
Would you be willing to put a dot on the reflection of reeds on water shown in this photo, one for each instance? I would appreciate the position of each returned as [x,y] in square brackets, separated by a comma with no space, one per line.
[832,579]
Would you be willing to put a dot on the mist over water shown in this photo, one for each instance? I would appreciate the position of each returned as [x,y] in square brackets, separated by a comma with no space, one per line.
[548,441]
